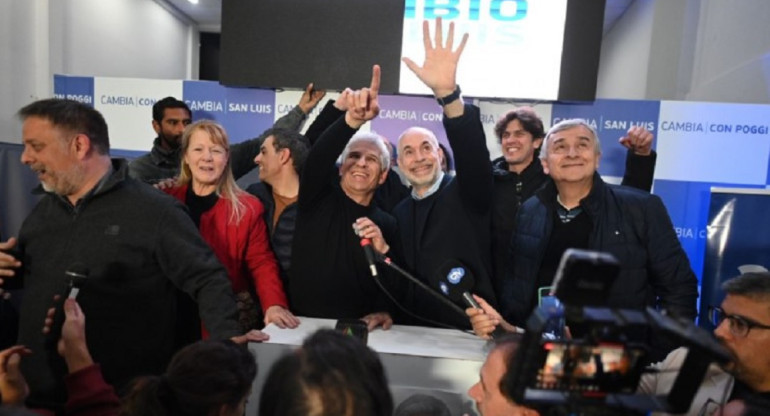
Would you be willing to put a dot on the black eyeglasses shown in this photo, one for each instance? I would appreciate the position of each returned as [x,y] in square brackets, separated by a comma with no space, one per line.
[739,325]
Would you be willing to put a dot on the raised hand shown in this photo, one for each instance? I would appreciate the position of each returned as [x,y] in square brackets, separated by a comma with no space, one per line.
[639,140]
[439,69]
[363,105]
[72,345]
[310,98]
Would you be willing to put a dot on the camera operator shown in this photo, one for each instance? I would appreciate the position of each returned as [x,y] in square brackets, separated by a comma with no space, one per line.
[743,326]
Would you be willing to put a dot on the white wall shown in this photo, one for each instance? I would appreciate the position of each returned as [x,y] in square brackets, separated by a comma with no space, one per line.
[696,50]
[114,38]
[733,52]
[626,52]
[24,74]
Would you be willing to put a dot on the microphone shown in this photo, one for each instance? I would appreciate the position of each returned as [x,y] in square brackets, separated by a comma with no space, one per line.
[456,281]
[371,257]
[75,276]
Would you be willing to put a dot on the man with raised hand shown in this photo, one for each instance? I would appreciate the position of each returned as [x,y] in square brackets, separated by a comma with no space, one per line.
[446,218]
[329,275]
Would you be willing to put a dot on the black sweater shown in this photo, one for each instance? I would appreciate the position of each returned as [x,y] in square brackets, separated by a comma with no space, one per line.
[138,245]
[329,275]
[453,223]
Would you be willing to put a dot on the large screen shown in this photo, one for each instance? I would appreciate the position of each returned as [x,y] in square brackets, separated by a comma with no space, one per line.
[517,49]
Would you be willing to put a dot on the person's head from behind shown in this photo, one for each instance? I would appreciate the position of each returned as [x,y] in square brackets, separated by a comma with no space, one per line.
[422,405]
[364,167]
[332,374]
[520,133]
[208,378]
[487,392]
[282,148]
[419,158]
[169,119]
[571,152]
[60,137]
[743,326]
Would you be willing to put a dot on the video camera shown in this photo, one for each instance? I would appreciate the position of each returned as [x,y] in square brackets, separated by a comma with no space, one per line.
[598,371]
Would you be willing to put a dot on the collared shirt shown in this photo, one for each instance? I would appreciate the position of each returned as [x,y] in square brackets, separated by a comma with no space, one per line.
[432,190]
[566,214]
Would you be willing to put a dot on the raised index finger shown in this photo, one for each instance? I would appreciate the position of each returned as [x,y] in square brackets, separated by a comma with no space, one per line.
[374,87]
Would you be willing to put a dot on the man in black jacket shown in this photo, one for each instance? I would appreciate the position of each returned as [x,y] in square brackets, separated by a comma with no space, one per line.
[444,224]
[135,244]
[329,274]
[280,160]
[576,209]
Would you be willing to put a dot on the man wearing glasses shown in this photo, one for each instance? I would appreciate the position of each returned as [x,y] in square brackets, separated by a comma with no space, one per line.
[743,326]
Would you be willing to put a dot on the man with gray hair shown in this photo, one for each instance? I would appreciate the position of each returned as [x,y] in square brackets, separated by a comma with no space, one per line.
[444,224]
[329,277]
[576,209]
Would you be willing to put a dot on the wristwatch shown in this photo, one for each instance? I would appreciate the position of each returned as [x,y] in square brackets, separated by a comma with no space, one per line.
[442,101]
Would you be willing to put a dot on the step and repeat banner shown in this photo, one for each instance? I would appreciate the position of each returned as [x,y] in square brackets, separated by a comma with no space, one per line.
[699,144]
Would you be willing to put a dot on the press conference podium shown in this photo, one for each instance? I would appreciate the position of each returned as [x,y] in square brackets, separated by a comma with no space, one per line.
[440,362]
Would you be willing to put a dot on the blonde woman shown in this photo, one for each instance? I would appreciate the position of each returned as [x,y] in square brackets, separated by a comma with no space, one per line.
[230,220]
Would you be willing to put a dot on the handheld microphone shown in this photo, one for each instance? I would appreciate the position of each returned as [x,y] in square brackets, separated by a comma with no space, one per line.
[75,275]
[456,281]
[371,257]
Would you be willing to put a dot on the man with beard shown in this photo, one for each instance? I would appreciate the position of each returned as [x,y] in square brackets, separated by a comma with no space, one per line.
[136,246]
[743,326]
[169,119]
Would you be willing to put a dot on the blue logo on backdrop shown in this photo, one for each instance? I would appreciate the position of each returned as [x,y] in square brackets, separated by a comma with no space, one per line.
[444,288]
[246,112]
[455,275]
[500,10]
[611,119]
[80,89]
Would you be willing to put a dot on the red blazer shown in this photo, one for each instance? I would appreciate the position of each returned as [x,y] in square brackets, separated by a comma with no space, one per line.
[243,248]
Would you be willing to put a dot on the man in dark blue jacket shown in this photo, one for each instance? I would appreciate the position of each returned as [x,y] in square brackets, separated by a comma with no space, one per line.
[576,209]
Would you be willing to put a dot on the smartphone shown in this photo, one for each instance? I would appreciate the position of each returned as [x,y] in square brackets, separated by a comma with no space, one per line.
[355,328]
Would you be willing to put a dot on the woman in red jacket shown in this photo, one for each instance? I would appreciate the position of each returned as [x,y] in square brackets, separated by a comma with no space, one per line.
[230,220]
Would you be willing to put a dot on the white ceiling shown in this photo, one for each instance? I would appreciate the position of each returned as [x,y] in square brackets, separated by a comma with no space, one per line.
[207,14]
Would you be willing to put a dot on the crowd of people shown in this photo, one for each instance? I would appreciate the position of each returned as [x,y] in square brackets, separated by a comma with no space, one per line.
[197,257]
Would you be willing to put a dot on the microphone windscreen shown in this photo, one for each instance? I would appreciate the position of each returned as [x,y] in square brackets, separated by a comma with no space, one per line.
[453,278]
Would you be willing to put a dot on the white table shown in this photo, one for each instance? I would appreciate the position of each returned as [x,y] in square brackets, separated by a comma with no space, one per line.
[440,362]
